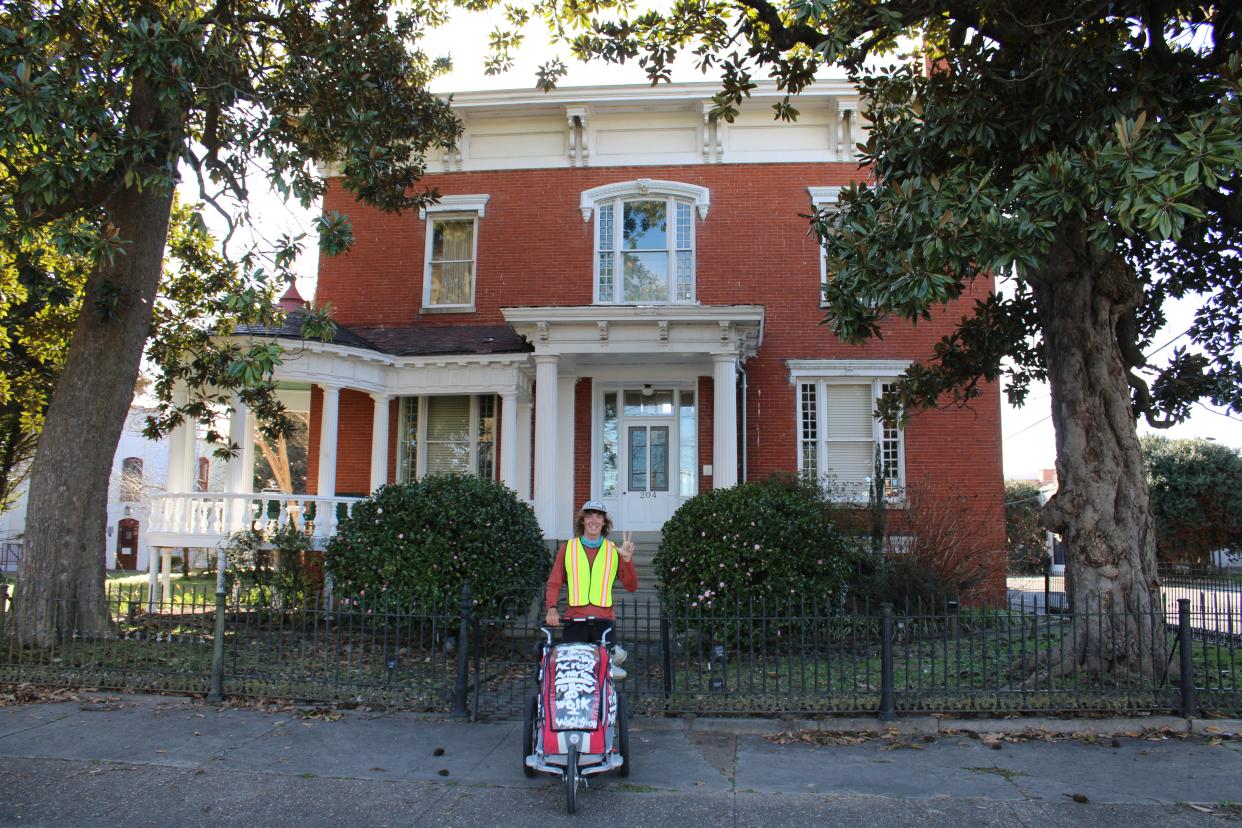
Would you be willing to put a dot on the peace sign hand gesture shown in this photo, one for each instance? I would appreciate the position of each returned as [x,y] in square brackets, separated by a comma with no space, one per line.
[627,547]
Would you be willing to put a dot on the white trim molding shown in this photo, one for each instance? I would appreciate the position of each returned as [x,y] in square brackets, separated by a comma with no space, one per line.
[812,369]
[666,330]
[699,196]
[475,203]
[824,196]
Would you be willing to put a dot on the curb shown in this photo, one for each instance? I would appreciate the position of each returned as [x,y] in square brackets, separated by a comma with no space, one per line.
[911,726]
[918,726]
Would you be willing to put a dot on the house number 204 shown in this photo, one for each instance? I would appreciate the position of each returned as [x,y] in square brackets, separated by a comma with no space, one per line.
[645,495]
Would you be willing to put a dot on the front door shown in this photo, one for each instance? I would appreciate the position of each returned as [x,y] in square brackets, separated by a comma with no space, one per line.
[648,486]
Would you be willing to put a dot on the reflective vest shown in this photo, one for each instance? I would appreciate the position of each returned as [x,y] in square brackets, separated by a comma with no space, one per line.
[590,584]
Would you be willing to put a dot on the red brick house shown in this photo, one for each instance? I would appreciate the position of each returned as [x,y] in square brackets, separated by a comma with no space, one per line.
[617,297]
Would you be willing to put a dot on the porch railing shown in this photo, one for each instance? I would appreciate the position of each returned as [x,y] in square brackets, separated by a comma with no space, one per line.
[205,518]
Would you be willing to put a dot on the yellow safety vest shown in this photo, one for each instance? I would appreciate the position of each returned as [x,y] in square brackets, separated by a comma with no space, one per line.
[591,584]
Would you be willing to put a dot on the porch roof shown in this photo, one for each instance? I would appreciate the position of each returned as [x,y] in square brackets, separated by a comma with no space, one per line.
[405,340]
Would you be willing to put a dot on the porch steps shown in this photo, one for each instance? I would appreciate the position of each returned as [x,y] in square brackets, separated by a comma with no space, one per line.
[646,544]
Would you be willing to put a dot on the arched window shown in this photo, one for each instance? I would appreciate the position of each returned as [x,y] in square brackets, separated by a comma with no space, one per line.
[131,479]
[645,240]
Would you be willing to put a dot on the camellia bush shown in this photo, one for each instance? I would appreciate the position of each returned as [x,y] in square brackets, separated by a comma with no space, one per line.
[767,541]
[420,541]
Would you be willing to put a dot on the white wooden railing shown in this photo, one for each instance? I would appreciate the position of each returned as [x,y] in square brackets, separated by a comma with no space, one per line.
[206,518]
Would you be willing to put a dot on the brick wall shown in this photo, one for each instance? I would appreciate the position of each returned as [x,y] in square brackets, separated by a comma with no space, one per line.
[753,248]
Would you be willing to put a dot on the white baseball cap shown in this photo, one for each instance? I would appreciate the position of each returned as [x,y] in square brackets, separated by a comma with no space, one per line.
[594,506]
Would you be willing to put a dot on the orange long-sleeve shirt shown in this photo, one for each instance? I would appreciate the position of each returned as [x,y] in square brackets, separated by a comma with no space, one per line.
[626,573]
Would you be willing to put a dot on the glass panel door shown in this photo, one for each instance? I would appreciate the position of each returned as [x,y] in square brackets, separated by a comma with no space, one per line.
[648,459]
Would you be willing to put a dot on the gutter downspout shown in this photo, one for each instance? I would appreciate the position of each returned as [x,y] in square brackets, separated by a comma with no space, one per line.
[742,371]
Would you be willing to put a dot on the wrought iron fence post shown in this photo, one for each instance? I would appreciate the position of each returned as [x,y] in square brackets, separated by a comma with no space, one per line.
[216,694]
[1187,658]
[463,655]
[666,653]
[888,705]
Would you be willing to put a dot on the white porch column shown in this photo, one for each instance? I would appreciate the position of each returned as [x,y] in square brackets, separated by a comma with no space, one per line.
[724,421]
[508,439]
[547,391]
[181,453]
[566,425]
[325,513]
[523,449]
[236,509]
[239,435]
[379,441]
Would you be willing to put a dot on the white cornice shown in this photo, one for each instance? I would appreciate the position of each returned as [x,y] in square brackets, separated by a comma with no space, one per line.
[664,96]
[634,313]
[629,330]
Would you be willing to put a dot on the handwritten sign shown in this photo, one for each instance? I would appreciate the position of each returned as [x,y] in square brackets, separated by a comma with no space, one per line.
[576,684]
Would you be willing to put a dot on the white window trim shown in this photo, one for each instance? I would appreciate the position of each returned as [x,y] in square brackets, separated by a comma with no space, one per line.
[420,436]
[438,215]
[457,204]
[822,198]
[672,192]
[824,373]
[698,196]
[601,389]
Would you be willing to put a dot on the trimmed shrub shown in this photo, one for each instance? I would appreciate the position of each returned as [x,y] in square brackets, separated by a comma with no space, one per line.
[768,541]
[420,541]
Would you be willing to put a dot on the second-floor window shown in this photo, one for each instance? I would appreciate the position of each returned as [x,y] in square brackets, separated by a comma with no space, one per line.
[645,241]
[449,280]
[824,200]
[451,252]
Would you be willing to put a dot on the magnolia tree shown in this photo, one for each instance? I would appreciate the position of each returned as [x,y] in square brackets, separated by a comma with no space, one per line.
[107,105]
[1090,152]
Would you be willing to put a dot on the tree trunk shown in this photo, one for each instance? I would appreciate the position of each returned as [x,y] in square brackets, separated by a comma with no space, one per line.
[60,582]
[1101,506]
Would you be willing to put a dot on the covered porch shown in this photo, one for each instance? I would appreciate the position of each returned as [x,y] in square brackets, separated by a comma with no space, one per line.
[532,397]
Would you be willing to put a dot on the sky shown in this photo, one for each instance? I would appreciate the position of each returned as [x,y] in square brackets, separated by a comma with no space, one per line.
[1027,434]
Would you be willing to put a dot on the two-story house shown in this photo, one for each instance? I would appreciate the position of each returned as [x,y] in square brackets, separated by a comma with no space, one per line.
[615,297]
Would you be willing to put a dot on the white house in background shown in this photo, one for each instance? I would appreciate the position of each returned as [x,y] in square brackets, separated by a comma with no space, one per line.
[139,471]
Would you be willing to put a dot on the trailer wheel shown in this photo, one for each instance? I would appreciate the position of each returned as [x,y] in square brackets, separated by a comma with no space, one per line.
[528,733]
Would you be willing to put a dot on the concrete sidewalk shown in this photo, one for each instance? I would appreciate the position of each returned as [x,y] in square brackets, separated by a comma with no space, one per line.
[137,761]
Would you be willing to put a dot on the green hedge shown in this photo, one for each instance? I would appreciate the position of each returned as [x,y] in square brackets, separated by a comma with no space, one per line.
[420,541]
[764,541]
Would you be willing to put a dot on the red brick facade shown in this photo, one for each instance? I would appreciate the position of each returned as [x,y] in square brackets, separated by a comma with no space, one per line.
[534,249]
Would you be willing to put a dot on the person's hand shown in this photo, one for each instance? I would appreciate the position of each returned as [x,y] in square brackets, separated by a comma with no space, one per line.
[554,618]
[627,547]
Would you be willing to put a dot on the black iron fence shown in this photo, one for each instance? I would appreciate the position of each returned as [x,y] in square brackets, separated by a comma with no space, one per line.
[1215,597]
[789,658]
